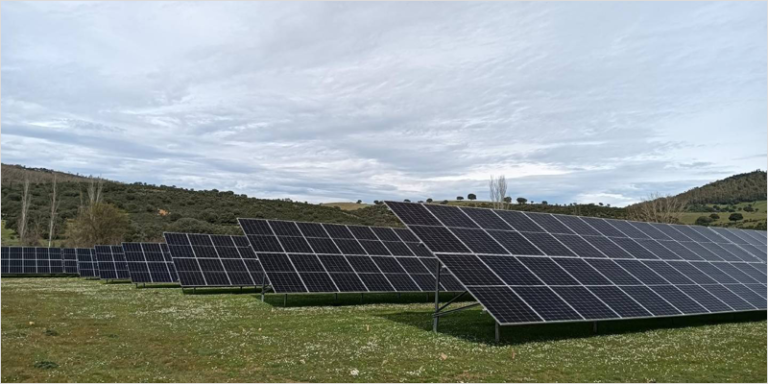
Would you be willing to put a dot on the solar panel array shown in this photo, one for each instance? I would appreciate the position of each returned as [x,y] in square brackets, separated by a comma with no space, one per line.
[534,267]
[329,258]
[214,260]
[87,265]
[36,261]
[150,263]
[111,261]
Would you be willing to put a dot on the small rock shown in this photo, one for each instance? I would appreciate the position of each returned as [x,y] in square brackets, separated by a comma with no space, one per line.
[354,372]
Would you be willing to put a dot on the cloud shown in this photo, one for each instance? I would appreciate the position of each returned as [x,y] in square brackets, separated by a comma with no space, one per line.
[341,101]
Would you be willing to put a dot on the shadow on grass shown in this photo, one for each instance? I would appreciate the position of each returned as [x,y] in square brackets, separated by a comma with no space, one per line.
[117,282]
[37,276]
[220,290]
[157,285]
[477,326]
[344,299]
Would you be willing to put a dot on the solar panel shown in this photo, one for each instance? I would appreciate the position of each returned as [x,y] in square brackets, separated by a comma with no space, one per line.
[87,265]
[531,267]
[149,263]
[331,258]
[111,262]
[6,260]
[69,261]
[36,261]
[202,260]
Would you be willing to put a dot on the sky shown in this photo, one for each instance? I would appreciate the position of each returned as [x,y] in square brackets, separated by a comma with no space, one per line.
[320,102]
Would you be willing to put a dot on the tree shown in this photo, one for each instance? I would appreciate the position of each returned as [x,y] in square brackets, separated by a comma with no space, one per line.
[98,224]
[508,199]
[735,217]
[703,220]
[714,216]
[522,200]
[359,201]
[749,208]
[657,209]
[429,200]
[472,197]
[459,198]
[54,209]
[498,191]
[407,201]
[544,202]
[26,201]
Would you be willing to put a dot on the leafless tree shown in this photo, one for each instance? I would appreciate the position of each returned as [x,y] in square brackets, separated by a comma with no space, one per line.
[658,209]
[54,210]
[26,201]
[498,191]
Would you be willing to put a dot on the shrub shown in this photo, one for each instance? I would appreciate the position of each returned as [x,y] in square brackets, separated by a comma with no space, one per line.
[735,217]
[714,216]
[703,220]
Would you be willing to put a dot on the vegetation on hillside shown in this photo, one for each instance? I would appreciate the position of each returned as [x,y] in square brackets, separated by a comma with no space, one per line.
[744,187]
[154,209]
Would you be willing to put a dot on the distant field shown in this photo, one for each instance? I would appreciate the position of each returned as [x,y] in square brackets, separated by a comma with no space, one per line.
[73,330]
[346,206]
[761,206]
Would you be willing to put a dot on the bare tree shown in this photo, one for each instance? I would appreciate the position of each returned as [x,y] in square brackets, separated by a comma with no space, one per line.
[54,210]
[498,191]
[26,201]
[658,209]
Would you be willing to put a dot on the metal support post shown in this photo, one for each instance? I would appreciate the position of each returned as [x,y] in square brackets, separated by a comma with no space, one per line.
[263,286]
[285,301]
[436,319]
[594,327]
[498,333]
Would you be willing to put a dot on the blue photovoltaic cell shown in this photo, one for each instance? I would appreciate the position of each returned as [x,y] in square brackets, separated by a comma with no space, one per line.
[511,271]
[546,303]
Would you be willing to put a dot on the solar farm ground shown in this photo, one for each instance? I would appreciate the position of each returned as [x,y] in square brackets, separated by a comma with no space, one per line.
[69,329]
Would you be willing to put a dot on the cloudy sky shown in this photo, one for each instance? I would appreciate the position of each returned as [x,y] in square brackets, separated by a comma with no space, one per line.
[590,102]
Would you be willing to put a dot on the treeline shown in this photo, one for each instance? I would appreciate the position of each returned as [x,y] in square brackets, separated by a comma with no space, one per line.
[736,189]
[152,210]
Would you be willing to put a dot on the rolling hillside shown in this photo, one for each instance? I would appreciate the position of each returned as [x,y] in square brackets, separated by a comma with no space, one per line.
[155,209]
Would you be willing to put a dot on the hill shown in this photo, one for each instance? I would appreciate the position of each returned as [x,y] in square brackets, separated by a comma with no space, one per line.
[741,188]
[154,209]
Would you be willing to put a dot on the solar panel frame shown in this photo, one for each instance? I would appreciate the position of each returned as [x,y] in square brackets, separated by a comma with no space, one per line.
[657,245]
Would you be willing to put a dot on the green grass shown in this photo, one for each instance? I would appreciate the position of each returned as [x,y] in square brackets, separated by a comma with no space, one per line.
[9,237]
[760,215]
[73,330]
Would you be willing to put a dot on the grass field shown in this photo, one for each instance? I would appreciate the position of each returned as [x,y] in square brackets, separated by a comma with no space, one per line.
[69,329]
[760,215]
[346,206]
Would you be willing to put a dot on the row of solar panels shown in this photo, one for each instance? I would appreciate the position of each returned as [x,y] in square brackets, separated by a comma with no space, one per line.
[533,267]
[522,267]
